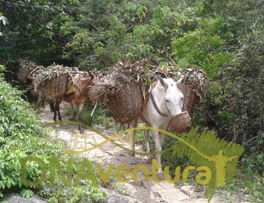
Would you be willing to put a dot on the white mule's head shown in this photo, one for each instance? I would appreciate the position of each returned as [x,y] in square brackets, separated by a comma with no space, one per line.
[173,96]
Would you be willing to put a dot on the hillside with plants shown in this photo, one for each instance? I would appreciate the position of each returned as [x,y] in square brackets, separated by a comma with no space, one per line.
[224,38]
[22,135]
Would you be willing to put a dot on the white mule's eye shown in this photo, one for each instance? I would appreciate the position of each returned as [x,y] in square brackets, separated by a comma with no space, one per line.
[167,100]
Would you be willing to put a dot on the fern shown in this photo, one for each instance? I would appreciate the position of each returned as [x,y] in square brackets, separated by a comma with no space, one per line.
[198,147]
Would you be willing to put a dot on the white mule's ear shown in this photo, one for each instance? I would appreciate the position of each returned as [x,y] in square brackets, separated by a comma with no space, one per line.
[162,82]
[180,82]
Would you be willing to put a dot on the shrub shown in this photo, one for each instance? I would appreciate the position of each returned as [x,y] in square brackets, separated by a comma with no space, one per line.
[22,135]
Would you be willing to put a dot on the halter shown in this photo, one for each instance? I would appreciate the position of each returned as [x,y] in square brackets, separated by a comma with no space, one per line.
[156,107]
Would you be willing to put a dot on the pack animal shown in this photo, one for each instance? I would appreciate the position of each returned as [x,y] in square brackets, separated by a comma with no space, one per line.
[54,104]
[165,100]
[81,95]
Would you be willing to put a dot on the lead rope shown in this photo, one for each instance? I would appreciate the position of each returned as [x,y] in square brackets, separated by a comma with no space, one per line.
[154,103]
[156,107]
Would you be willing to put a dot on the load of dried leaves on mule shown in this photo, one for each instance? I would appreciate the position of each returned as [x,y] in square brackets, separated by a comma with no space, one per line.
[51,82]
[123,89]
[119,76]
[26,67]
[195,78]
[54,82]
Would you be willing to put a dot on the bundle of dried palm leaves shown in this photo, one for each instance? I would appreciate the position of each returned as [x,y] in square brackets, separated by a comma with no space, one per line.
[25,67]
[35,72]
[54,82]
[123,89]
[119,76]
[192,87]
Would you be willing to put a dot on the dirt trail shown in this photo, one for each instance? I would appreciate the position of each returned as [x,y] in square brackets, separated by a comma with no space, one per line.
[142,191]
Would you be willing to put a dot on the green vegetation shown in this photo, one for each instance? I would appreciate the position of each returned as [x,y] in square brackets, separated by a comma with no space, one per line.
[247,181]
[225,38]
[21,135]
[101,120]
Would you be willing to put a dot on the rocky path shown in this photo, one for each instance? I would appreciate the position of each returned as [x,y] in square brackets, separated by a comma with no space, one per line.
[140,191]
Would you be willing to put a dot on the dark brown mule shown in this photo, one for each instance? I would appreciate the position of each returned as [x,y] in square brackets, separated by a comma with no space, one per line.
[81,95]
[54,104]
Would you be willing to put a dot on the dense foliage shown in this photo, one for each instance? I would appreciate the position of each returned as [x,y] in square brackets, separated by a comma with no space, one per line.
[22,135]
[225,38]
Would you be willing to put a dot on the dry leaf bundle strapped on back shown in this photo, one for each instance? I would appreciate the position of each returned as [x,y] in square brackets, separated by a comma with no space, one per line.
[192,88]
[36,72]
[25,67]
[53,83]
[122,90]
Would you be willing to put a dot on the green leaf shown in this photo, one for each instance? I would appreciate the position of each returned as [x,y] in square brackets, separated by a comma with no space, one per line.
[55,200]
[2,174]
[26,193]
[112,20]
[9,182]
[183,62]
[2,185]
[4,20]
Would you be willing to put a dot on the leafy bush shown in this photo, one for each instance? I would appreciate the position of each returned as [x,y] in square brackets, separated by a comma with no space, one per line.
[85,192]
[22,135]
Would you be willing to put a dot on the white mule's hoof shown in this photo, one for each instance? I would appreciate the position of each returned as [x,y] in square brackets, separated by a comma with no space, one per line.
[160,174]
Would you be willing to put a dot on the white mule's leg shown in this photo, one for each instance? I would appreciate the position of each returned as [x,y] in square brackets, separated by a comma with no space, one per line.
[146,138]
[161,139]
[157,148]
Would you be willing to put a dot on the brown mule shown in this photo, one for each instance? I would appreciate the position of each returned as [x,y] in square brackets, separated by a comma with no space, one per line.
[81,95]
